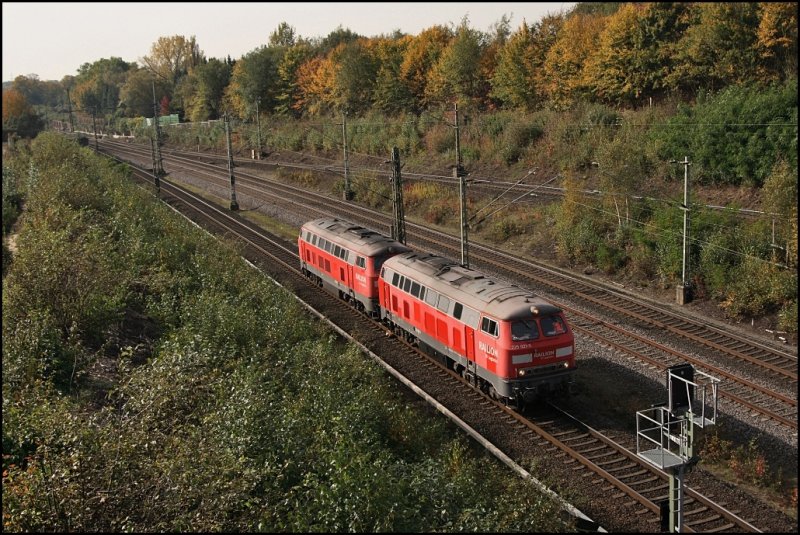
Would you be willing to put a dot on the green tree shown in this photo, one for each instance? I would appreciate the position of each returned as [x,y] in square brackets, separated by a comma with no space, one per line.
[287,91]
[391,95]
[517,80]
[284,35]
[97,85]
[136,96]
[456,74]
[212,77]
[780,198]
[254,77]
[718,48]
[337,37]
[356,70]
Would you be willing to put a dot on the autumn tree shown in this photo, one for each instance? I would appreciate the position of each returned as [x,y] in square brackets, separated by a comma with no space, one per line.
[777,41]
[421,54]
[564,67]
[314,87]
[288,90]
[173,57]
[18,116]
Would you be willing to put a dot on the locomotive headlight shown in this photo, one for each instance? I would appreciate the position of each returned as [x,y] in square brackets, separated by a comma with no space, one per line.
[521,373]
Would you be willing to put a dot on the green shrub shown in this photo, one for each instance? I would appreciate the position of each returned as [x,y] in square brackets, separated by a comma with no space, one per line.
[734,137]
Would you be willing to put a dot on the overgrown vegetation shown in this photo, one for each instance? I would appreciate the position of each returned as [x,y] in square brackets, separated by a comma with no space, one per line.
[154,382]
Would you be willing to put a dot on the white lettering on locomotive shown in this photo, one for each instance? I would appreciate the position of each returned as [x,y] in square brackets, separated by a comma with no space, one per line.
[489,350]
[543,354]
[361,278]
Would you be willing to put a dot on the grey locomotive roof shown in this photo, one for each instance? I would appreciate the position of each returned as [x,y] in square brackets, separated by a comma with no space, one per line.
[498,299]
[359,239]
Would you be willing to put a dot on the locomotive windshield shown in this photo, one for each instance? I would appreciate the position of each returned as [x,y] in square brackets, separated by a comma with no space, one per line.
[524,330]
[553,325]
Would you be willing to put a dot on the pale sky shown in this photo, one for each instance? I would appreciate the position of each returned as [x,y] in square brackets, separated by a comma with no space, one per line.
[54,39]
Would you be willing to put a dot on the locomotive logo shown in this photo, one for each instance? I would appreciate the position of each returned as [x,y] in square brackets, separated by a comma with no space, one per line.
[489,350]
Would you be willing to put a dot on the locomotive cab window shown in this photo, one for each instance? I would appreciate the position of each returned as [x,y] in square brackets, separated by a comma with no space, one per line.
[524,330]
[395,279]
[489,326]
[553,326]
[361,262]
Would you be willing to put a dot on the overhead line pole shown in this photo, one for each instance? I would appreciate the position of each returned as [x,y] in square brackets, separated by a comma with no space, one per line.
[348,194]
[458,173]
[399,224]
[158,168]
[258,131]
[234,204]
[684,295]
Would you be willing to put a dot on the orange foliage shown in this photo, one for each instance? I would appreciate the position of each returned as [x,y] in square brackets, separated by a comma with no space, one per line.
[14,105]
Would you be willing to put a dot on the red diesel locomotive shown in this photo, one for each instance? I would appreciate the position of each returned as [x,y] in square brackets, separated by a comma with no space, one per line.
[500,337]
[346,259]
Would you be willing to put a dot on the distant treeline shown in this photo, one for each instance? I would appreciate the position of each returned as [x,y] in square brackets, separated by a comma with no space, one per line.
[624,54]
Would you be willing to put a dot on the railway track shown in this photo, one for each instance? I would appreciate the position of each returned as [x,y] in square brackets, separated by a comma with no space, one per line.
[634,487]
[723,354]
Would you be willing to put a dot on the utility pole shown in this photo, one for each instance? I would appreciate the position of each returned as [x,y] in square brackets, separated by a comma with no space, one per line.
[234,204]
[683,291]
[258,132]
[158,167]
[94,126]
[153,154]
[459,174]
[348,194]
[399,224]
[71,120]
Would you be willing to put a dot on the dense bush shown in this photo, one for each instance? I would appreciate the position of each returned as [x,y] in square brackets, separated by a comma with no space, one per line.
[734,137]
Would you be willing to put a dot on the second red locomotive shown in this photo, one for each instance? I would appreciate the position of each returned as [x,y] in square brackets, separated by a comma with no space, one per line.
[346,259]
